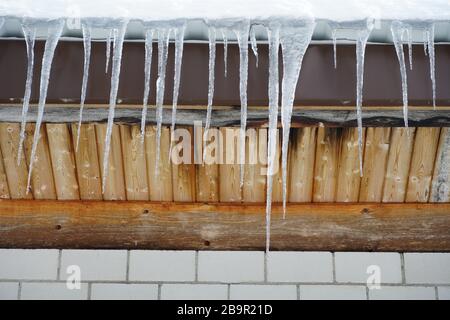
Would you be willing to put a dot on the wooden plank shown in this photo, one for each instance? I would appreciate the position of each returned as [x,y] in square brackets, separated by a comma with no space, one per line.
[326,167]
[63,162]
[255,171]
[375,159]
[161,185]
[16,174]
[183,167]
[399,160]
[4,189]
[422,163]
[229,171]
[135,167]
[145,225]
[277,188]
[207,188]
[302,152]
[115,182]
[349,176]
[440,186]
[42,180]
[86,158]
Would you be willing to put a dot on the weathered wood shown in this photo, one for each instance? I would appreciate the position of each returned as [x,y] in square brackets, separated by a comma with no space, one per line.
[226,117]
[254,189]
[4,189]
[440,186]
[230,189]
[145,225]
[207,188]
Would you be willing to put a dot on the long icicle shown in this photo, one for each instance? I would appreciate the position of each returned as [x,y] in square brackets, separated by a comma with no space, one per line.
[294,42]
[108,49]
[430,43]
[397,30]
[334,36]
[225,51]
[410,52]
[115,74]
[87,59]
[212,59]
[147,76]
[29,33]
[54,33]
[254,44]
[273,33]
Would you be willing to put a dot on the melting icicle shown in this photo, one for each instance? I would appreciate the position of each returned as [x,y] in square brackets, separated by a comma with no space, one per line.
[163,45]
[398,30]
[410,53]
[254,44]
[147,73]
[333,34]
[115,73]
[273,33]
[212,59]
[425,42]
[294,42]
[54,33]
[30,37]
[242,31]
[225,51]
[87,59]
[430,44]
[108,49]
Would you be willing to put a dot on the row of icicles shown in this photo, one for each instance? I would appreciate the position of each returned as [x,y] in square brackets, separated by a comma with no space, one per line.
[294,38]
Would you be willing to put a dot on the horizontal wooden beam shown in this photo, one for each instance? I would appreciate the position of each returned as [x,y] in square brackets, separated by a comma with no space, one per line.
[230,116]
[146,225]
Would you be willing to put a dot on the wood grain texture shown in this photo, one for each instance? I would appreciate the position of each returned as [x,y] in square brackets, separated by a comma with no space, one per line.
[145,225]
[254,189]
[440,186]
[4,189]
[207,168]
[230,189]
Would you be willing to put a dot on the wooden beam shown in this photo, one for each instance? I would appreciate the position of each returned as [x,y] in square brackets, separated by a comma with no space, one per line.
[149,225]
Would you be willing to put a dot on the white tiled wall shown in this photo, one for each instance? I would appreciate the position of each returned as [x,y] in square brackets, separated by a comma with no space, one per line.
[140,274]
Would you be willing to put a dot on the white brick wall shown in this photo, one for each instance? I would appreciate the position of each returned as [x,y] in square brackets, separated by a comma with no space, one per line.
[140,274]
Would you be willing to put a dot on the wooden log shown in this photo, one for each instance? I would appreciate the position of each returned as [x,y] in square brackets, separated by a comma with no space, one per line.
[422,163]
[145,225]
[86,158]
[16,174]
[207,188]
[63,162]
[230,189]
[440,186]
[4,189]
[255,170]
[135,167]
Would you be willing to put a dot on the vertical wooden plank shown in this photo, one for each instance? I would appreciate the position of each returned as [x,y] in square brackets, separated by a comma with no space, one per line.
[399,159]
[115,182]
[42,180]
[183,167]
[63,162]
[207,182]
[135,166]
[254,176]
[229,171]
[422,164]
[440,186]
[302,153]
[160,186]
[375,159]
[326,166]
[349,176]
[86,159]
[16,175]
[277,189]
[4,189]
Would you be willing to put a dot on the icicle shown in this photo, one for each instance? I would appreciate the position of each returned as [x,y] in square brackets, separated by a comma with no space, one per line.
[425,42]
[87,59]
[212,58]
[254,44]
[273,33]
[333,34]
[179,41]
[410,53]
[361,41]
[225,51]
[30,37]
[2,20]
[163,45]
[294,42]
[108,49]
[54,33]
[147,73]
[242,31]
[115,73]
[430,44]
[398,30]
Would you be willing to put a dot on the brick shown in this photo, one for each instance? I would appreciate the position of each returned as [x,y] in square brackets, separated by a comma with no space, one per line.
[352,267]
[122,291]
[231,266]
[162,265]
[194,292]
[263,292]
[99,265]
[332,292]
[28,264]
[300,267]
[52,291]
[444,293]
[402,293]
[9,290]
[427,268]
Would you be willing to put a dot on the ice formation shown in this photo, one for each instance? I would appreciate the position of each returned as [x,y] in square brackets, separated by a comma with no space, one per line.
[147,74]
[212,60]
